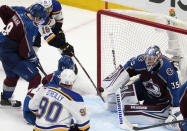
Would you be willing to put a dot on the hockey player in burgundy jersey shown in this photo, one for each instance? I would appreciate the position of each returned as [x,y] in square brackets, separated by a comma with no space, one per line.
[157,84]
[16,54]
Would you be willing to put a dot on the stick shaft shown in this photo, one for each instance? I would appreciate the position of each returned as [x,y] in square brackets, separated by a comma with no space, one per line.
[98,92]
[158,125]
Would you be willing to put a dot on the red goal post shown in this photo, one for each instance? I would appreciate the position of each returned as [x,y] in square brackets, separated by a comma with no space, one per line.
[123,34]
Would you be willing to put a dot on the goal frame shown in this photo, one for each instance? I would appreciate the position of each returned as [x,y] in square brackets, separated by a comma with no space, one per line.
[128,18]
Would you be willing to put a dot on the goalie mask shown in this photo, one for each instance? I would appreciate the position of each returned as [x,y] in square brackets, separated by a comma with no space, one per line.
[153,57]
[67,77]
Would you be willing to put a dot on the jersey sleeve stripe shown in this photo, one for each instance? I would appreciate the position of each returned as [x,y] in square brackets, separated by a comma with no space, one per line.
[84,126]
[60,21]
[63,93]
[56,12]
[49,22]
[49,37]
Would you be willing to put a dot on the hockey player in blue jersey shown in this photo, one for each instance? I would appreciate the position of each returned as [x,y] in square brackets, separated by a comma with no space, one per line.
[64,62]
[157,84]
[16,54]
[54,19]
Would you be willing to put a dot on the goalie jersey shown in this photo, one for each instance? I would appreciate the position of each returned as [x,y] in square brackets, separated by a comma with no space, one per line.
[55,107]
[162,84]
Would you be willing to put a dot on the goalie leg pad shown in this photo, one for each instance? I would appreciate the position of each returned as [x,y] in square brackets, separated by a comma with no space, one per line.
[128,95]
[116,79]
[111,102]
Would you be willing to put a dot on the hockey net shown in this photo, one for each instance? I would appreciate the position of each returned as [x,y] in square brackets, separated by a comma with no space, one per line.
[123,34]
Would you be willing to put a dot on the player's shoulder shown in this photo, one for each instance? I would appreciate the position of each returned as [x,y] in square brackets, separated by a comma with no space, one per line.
[167,69]
[56,7]
[137,62]
[69,94]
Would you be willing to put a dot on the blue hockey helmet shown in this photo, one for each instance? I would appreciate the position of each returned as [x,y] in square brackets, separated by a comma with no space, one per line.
[65,62]
[37,10]
[153,57]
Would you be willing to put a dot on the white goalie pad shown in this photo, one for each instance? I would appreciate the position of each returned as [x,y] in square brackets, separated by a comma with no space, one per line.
[116,79]
[127,95]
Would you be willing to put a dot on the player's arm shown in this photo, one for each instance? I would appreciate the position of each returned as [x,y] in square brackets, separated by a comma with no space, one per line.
[79,113]
[56,41]
[47,78]
[35,101]
[173,85]
[134,64]
[6,13]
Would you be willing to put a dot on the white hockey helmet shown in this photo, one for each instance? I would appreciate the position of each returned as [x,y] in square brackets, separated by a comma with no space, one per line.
[46,3]
[67,77]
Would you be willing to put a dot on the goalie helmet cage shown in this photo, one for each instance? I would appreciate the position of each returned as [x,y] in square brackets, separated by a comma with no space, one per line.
[123,34]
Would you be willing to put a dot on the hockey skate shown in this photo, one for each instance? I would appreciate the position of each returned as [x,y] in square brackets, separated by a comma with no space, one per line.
[9,102]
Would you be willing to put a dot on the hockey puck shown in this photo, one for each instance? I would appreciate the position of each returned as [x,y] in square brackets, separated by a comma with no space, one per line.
[101,89]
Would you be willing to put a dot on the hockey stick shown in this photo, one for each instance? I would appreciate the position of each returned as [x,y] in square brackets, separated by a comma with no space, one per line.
[124,123]
[113,51]
[153,126]
[40,66]
[98,91]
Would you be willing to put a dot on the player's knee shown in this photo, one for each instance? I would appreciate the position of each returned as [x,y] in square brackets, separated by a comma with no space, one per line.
[34,82]
[11,81]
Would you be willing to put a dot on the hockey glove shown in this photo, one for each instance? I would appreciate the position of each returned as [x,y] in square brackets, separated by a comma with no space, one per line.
[174,115]
[184,125]
[68,50]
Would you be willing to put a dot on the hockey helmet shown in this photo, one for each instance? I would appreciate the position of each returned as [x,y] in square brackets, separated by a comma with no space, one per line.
[38,12]
[153,57]
[65,62]
[67,77]
[47,4]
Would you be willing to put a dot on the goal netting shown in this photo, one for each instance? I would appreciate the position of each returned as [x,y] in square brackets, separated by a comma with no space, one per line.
[123,34]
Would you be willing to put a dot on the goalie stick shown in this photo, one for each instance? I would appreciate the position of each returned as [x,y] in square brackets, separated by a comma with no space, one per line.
[97,90]
[153,126]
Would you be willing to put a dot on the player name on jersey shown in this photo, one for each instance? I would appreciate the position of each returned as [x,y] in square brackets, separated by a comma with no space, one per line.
[55,95]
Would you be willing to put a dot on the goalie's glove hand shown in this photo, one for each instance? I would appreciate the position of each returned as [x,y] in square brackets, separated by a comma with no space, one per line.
[174,115]
[68,50]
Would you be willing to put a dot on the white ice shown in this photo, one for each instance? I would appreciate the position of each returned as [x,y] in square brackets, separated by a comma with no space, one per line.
[80,29]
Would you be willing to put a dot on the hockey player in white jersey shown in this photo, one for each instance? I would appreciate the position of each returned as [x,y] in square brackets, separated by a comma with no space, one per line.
[56,106]
[54,20]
